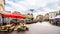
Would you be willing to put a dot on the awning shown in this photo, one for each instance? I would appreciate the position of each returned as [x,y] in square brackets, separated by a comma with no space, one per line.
[13,16]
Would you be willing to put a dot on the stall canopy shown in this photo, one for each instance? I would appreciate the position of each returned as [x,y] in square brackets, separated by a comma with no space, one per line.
[57,16]
[13,16]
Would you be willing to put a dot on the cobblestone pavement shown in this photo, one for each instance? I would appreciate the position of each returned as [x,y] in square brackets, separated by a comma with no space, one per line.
[39,28]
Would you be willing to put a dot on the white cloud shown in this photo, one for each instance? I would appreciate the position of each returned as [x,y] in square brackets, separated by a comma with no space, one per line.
[15,6]
[25,5]
[8,8]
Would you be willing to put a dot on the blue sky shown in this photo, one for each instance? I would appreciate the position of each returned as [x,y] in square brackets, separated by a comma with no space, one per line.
[40,6]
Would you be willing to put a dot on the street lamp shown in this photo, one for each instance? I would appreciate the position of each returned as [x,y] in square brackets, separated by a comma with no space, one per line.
[32,12]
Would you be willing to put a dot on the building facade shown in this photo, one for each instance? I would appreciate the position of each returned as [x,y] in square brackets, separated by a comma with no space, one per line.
[52,14]
[46,16]
[2,3]
[39,18]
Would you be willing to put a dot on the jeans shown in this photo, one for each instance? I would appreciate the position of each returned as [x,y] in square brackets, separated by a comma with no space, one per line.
[0,24]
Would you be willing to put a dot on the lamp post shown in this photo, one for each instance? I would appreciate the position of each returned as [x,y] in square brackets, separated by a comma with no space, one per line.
[32,12]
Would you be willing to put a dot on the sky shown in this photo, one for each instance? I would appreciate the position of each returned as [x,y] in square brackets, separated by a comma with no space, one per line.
[39,6]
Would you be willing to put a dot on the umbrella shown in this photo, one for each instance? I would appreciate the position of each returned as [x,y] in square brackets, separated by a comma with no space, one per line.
[13,16]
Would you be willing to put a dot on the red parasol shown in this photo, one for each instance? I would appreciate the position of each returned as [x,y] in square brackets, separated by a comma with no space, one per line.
[14,16]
